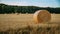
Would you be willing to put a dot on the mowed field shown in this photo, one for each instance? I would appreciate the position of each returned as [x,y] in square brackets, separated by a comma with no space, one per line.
[15,21]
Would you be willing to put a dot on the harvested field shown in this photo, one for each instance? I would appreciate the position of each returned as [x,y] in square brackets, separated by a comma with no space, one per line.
[24,24]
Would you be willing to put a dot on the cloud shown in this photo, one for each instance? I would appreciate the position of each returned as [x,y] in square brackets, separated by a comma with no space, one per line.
[17,3]
[41,3]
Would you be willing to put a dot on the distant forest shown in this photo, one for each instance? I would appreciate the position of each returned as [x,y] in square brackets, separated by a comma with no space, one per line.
[8,9]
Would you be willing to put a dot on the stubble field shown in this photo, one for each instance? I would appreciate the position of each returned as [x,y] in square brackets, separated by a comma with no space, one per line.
[24,24]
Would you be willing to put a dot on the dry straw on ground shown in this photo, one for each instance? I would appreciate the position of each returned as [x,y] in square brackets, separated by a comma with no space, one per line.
[42,16]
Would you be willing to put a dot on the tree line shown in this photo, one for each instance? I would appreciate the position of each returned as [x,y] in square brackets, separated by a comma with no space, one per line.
[8,9]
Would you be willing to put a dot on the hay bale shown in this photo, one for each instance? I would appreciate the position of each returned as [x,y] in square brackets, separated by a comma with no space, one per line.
[42,16]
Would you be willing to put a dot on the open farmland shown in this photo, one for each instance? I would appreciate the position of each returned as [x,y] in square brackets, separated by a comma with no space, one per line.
[23,21]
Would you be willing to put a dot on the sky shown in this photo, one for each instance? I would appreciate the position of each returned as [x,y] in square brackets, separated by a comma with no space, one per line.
[40,3]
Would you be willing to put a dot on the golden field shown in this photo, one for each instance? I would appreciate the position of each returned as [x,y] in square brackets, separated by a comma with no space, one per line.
[24,24]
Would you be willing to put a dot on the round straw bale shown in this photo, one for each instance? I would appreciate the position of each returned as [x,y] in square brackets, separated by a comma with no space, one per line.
[42,16]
